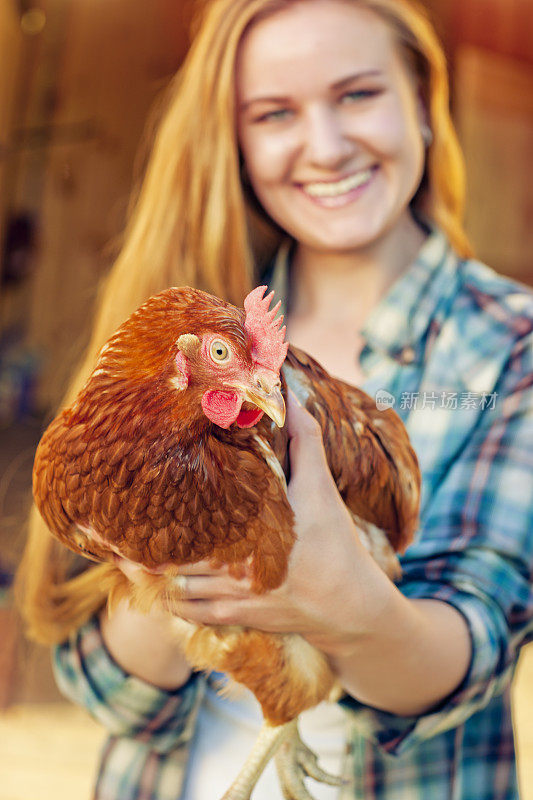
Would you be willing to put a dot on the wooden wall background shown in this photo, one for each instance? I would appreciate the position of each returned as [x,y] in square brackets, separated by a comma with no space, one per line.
[10,53]
[490,48]
[76,113]
[501,26]
[97,71]
[494,115]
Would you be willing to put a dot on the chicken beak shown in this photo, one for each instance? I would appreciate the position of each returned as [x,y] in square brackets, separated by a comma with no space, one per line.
[271,401]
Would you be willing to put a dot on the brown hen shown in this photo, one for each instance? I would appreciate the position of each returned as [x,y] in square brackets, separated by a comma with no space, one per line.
[166,458]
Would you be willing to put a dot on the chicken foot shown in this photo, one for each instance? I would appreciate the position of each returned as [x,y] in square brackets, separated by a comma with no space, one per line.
[269,739]
[294,762]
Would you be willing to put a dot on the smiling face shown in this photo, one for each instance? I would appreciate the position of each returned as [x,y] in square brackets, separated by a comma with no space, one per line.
[329,124]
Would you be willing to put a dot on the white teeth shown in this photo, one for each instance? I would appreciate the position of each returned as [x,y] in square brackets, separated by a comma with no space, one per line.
[340,187]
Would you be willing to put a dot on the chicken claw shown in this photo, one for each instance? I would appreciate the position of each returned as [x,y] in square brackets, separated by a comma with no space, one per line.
[269,740]
[294,762]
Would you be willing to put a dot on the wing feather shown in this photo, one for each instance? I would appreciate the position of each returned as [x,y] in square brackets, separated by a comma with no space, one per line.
[368,451]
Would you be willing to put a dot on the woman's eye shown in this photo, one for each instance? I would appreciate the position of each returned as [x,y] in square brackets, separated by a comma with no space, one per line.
[274,116]
[359,94]
[219,351]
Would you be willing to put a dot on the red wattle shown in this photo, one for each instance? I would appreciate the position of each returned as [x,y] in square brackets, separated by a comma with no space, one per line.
[222,408]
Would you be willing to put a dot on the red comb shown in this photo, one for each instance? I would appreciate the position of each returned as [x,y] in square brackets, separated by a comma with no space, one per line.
[268,347]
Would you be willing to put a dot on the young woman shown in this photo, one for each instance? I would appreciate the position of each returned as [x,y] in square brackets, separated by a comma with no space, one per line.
[312,139]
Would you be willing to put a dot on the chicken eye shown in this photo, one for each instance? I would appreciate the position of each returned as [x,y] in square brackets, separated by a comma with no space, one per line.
[219,351]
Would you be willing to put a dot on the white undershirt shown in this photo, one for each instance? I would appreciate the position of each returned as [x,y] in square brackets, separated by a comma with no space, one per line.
[226,731]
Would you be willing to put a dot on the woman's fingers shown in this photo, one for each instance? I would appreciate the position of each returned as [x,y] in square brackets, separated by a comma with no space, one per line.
[133,572]
[206,569]
[253,611]
[201,587]
[203,568]
[206,612]
[309,466]
[198,588]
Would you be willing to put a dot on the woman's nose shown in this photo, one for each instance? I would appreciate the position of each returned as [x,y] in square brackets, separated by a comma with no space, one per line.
[327,144]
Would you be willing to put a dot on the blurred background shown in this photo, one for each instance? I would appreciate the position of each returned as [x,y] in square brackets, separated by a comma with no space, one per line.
[77,81]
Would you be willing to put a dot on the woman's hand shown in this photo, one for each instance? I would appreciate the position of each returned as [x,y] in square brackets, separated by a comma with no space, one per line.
[333,590]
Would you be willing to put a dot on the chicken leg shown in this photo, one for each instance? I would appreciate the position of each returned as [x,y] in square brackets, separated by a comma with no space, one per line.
[294,762]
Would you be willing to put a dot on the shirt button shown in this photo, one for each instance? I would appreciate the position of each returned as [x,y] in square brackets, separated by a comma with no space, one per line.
[407,356]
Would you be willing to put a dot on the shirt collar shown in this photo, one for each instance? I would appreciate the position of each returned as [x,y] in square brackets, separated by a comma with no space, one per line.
[418,298]
[399,323]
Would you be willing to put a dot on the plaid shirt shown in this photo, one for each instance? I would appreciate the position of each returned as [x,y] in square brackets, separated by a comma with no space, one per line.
[451,347]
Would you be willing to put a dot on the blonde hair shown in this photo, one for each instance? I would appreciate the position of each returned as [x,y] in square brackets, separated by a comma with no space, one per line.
[193,224]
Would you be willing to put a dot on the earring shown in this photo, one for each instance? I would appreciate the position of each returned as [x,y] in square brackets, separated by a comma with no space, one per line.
[427,134]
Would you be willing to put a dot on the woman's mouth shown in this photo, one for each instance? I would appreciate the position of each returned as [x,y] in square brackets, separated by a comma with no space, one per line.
[332,194]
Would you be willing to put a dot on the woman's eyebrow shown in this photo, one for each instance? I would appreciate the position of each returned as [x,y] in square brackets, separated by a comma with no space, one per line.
[356,76]
[263,99]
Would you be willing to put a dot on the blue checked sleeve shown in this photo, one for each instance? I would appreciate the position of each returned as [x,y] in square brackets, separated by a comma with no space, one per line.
[475,552]
[124,704]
